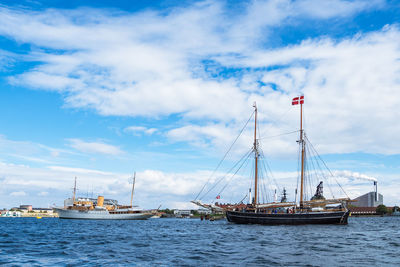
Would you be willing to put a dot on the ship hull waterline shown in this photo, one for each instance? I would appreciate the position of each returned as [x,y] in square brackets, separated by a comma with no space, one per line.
[238,217]
[100,215]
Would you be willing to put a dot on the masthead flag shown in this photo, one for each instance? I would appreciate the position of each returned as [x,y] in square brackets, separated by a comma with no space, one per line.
[218,197]
[298,100]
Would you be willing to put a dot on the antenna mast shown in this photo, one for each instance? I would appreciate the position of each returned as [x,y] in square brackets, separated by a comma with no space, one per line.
[255,156]
[133,188]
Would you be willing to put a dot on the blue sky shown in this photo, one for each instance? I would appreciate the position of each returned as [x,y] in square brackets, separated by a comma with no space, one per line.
[100,89]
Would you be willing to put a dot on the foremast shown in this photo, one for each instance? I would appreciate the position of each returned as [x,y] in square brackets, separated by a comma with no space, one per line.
[255,157]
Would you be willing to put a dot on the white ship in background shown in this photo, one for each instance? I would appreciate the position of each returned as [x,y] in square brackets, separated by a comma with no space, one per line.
[100,209]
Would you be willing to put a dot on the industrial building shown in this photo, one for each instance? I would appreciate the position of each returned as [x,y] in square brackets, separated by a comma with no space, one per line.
[371,199]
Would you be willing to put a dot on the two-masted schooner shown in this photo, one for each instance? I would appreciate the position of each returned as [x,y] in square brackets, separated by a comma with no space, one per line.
[316,210]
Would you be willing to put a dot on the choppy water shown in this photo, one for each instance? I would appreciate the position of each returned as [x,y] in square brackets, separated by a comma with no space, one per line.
[177,242]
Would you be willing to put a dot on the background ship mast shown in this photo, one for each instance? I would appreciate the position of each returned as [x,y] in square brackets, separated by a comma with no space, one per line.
[73,197]
[133,187]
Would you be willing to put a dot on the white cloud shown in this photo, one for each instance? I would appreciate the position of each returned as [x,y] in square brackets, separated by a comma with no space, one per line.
[140,129]
[43,194]
[31,151]
[94,147]
[148,64]
[18,194]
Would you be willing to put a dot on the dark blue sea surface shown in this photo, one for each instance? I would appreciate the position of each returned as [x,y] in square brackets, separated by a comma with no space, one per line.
[191,242]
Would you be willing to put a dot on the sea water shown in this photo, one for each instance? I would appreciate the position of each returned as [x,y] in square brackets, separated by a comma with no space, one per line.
[192,242]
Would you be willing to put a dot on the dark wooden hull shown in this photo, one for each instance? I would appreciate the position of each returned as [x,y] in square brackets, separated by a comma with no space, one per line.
[329,217]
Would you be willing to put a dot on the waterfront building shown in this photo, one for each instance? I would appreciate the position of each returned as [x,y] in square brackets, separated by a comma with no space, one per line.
[47,211]
[182,213]
[11,213]
[356,211]
[204,211]
[25,207]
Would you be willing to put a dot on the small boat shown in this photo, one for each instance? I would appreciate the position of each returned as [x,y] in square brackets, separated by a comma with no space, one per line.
[317,210]
[101,209]
[396,211]
[38,217]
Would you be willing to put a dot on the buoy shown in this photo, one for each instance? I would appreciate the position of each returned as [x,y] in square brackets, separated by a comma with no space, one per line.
[38,217]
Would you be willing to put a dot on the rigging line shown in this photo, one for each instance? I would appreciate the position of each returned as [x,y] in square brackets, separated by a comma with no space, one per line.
[313,174]
[262,185]
[241,201]
[234,166]
[273,136]
[329,186]
[314,168]
[307,178]
[223,177]
[327,178]
[327,168]
[251,180]
[219,164]
[281,117]
[265,163]
[298,173]
[266,189]
[314,157]
[244,161]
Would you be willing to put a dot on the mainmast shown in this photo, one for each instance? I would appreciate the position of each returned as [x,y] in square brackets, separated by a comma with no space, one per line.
[255,155]
[133,187]
[296,101]
[73,197]
[302,143]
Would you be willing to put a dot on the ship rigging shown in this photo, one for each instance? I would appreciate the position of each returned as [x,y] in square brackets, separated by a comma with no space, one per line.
[306,208]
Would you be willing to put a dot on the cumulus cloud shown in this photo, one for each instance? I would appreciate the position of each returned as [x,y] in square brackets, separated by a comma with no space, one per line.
[152,64]
[94,147]
[140,129]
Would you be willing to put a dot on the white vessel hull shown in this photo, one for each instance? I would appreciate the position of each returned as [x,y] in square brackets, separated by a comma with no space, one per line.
[100,215]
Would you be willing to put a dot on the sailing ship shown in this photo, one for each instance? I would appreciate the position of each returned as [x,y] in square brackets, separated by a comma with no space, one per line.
[100,208]
[317,210]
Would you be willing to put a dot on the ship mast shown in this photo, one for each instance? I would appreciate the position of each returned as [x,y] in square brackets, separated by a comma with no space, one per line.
[133,188]
[255,156]
[73,197]
[302,143]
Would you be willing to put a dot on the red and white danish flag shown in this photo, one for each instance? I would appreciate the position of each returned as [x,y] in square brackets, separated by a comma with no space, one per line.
[218,197]
[298,100]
